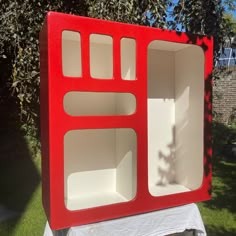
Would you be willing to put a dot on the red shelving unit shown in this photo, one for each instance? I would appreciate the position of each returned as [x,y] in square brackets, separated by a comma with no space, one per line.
[125,119]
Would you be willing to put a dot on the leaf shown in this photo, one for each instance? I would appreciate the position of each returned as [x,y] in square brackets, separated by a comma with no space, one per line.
[34,73]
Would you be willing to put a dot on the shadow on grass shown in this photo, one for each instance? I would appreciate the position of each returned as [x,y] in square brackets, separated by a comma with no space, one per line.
[19,177]
[223,200]
[224,194]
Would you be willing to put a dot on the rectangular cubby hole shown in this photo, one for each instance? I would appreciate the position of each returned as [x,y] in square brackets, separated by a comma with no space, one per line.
[71,54]
[99,103]
[175,117]
[128,59]
[101,56]
[99,167]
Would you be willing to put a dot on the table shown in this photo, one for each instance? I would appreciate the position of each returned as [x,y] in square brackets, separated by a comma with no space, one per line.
[158,223]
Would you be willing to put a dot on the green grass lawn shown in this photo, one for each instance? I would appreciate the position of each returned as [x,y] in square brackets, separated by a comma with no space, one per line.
[219,214]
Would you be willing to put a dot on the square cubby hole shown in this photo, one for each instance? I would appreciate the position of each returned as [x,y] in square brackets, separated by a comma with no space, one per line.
[99,167]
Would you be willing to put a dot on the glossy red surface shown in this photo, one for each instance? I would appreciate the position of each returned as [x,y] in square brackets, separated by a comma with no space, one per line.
[55,122]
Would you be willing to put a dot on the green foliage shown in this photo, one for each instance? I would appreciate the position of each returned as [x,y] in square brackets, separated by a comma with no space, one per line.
[224,138]
[223,134]
[131,11]
[230,22]
[230,4]
[21,22]
[203,17]
[124,11]
[219,213]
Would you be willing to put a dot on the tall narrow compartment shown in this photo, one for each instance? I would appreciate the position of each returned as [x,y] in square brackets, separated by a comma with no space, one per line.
[175,117]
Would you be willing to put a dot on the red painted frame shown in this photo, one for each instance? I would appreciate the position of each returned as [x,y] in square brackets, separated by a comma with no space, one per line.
[55,122]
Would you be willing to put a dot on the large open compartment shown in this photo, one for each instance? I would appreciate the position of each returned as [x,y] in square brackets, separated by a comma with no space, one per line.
[175,117]
[99,167]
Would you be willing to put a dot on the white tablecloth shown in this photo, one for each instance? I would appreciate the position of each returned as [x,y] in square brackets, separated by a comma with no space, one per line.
[158,223]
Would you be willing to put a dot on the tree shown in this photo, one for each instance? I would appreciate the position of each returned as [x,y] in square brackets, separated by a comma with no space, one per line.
[207,18]
[202,17]
[230,21]
[131,11]
[21,21]
[230,5]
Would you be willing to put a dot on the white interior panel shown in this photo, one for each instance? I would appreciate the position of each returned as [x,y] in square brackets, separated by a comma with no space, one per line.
[101,56]
[161,116]
[126,152]
[175,117]
[100,167]
[99,103]
[71,54]
[128,59]
[189,113]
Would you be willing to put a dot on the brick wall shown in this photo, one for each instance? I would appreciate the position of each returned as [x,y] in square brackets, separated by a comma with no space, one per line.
[224,96]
